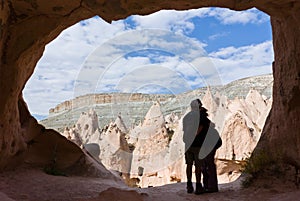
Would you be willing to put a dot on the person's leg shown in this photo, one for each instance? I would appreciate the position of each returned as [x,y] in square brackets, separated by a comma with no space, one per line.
[212,173]
[189,159]
[205,174]
[198,172]
[189,168]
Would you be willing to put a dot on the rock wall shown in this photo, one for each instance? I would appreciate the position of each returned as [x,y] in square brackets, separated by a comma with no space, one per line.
[136,106]
[27,26]
[88,100]
[281,135]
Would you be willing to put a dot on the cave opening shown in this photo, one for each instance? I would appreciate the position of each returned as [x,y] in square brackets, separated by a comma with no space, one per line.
[190,54]
[22,138]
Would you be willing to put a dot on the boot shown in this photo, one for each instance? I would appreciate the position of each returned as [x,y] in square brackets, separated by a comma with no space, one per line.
[199,189]
[189,187]
[212,190]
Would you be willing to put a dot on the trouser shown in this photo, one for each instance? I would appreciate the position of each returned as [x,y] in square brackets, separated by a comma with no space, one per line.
[209,171]
[192,157]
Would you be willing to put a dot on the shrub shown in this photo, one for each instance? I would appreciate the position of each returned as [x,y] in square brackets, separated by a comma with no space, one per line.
[256,164]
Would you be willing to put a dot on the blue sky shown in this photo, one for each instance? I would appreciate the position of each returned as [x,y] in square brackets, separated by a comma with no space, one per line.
[218,35]
[165,52]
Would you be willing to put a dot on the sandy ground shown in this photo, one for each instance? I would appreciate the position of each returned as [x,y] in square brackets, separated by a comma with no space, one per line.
[33,184]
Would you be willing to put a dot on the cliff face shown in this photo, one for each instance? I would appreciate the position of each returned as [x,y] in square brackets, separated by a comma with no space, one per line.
[136,105]
[22,44]
[87,100]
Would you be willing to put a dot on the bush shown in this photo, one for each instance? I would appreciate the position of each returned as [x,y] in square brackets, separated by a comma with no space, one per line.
[256,164]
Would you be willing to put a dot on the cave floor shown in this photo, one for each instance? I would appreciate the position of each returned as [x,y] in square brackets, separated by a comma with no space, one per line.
[35,185]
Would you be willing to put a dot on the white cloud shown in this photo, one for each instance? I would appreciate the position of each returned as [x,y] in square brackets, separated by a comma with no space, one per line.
[218,35]
[181,21]
[227,16]
[235,63]
[177,21]
[253,54]
[107,64]
[60,69]
[56,72]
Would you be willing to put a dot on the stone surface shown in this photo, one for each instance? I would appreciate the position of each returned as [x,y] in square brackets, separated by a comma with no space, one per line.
[134,107]
[22,45]
[107,146]
[52,149]
[151,148]
[86,130]
[115,153]
[119,194]
[152,153]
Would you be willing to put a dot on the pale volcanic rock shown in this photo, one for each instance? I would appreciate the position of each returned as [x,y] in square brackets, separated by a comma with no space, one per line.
[154,116]
[110,147]
[264,113]
[153,135]
[120,124]
[221,114]
[86,129]
[254,109]
[134,133]
[238,141]
[235,123]
[114,149]
[153,124]
[209,102]
[151,147]
[255,100]
[157,145]
[171,120]
[176,154]
[227,170]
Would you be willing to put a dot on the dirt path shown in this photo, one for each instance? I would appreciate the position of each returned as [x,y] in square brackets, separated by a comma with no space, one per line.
[35,185]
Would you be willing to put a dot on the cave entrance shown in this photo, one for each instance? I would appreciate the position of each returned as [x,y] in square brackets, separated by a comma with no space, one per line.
[167,56]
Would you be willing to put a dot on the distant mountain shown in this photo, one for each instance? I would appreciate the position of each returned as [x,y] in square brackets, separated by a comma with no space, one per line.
[133,107]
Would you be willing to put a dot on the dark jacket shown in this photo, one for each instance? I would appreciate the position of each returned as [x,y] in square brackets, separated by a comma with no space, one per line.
[204,123]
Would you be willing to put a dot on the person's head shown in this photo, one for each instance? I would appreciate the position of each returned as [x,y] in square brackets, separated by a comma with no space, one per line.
[196,104]
[199,102]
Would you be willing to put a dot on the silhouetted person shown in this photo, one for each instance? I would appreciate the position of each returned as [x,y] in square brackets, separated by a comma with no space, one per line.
[195,127]
[211,143]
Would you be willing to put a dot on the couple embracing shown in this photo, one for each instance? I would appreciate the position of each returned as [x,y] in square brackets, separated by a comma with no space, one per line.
[201,142]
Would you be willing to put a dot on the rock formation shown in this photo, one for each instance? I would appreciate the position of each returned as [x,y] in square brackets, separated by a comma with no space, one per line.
[151,146]
[115,152]
[152,153]
[237,122]
[22,45]
[108,146]
[86,130]
[210,103]
[92,99]
[67,113]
